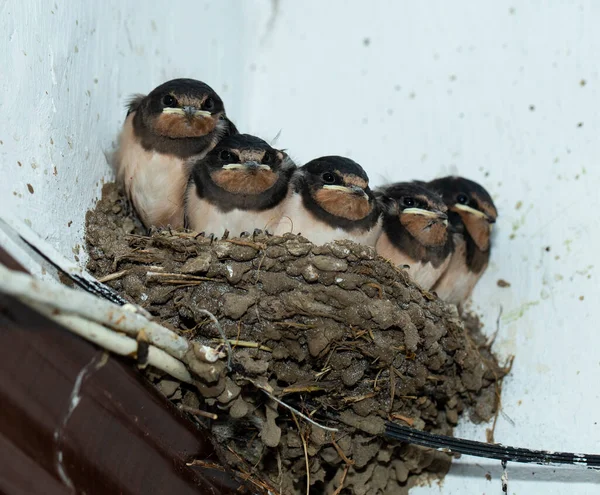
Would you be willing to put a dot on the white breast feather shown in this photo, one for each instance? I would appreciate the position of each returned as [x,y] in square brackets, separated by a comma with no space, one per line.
[154,183]
[423,274]
[205,217]
[457,283]
[297,219]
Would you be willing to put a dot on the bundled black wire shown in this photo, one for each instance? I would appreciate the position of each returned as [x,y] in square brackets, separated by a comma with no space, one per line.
[490,451]
[85,281]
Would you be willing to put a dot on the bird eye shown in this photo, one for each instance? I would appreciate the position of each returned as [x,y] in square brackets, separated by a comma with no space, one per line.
[328,178]
[208,104]
[267,157]
[408,202]
[169,101]
[462,199]
[226,156]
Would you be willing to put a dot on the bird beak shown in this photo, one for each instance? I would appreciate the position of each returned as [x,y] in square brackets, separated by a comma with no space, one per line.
[350,190]
[434,214]
[250,165]
[188,111]
[475,212]
[253,165]
[359,191]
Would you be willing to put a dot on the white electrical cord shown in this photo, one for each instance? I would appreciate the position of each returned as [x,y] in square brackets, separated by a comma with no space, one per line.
[90,307]
[115,342]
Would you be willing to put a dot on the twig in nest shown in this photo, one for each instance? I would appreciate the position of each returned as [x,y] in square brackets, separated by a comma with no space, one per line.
[294,325]
[325,366]
[490,342]
[263,448]
[155,268]
[376,286]
[175,278]
[340,452]
[406,419]
[291,231]
[358,335]
[428,295]
[489,432]
[293,389]
[239,332]
[138,256]
[305,453]
[198,412]
[339,488]
[113,276]
[116,342]
[259,483]
[392,387]
[222,333]
[304,416]
[90,307]
[262,259]
[498,380]
[322,373]
[206,465]
[180,283]
[348,400]
[377,378]
[244,343]
[247,476]
[433,378]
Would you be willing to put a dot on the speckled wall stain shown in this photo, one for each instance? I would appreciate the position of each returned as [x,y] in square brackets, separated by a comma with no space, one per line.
[504,93]
[68,70]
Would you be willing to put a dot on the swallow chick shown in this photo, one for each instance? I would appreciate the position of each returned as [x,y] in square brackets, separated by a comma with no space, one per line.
[240,186]
[179,119]
[415,231]
[471,215]
[330,199]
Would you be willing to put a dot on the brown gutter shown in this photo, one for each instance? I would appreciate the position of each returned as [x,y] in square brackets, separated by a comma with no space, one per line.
[113,434]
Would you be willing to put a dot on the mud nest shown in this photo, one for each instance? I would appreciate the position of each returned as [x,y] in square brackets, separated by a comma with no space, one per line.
[334,331]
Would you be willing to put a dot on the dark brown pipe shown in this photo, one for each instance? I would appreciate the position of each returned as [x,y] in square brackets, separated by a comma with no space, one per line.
[67,408]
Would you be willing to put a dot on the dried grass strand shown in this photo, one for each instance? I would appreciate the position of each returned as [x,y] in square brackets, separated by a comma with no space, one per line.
[305,448]
[222,333]
[199,412]
[244,343]
[294,410]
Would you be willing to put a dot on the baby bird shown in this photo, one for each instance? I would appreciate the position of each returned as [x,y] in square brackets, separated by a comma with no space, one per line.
[179,119]
[330,199]
[239,186]
[472,213]
[415,231]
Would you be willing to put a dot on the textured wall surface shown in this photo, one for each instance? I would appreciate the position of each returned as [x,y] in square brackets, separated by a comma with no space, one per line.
[68,69]
[504,93]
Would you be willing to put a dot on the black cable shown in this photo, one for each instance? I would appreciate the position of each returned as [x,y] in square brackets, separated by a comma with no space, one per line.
[89,284]
[491,451]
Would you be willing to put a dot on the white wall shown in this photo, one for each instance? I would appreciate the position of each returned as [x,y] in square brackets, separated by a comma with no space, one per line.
[494,92]
[68,68]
